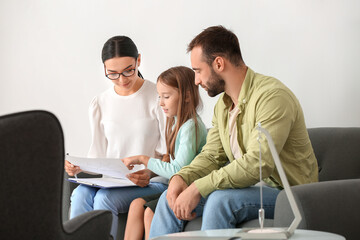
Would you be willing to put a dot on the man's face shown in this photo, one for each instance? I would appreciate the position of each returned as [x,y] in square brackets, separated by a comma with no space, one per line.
[205,76]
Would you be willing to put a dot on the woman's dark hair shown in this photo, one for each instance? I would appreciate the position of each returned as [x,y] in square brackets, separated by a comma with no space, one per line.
[119,46]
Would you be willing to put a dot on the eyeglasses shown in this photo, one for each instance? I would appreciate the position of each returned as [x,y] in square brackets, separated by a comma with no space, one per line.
[126,73]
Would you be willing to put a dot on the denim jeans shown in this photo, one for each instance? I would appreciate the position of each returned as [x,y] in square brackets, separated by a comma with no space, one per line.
[117,200]
[221,209]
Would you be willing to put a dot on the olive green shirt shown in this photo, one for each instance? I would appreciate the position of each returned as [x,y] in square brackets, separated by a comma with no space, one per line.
[268,101]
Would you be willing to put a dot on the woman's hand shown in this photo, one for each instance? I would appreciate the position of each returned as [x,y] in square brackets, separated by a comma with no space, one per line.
[141,178]
[71,169]
[139,159]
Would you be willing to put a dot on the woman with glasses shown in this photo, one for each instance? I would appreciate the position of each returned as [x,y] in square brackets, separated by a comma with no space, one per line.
[125,120]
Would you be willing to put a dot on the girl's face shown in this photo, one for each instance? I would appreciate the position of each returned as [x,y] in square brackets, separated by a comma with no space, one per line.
[169,98]
[125,68]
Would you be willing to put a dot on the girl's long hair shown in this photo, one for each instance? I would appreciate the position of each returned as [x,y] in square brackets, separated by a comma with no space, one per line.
[182,78]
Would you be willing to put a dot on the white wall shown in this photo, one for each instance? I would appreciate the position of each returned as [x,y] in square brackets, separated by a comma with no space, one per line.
[50,51]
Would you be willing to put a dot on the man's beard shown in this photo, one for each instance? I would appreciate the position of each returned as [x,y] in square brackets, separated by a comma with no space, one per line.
[215,84]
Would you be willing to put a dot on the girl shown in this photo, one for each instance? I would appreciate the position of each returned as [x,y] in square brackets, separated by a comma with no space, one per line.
[185,137]
[125,121]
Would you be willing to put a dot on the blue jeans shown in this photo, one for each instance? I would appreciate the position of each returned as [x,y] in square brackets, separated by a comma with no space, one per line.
[117,200]
[221,209]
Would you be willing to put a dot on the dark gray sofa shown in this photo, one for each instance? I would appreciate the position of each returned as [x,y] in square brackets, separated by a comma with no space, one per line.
[31,178]
[325,206]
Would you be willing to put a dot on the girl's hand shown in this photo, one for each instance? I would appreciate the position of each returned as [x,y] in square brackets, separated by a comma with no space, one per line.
[131,161]
[165,158]
[71,169]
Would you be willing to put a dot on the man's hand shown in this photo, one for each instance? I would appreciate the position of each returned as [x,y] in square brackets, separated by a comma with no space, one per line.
[131,161]
[71,169]
[140,178]
[186,202]
[176,186]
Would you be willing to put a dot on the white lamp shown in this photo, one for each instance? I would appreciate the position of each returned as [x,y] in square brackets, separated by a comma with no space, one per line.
[273,233]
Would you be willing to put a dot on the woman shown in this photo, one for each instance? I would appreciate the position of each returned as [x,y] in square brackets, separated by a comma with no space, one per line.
[125,121]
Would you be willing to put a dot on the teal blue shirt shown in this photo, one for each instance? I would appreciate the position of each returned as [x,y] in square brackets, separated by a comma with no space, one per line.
[186,149]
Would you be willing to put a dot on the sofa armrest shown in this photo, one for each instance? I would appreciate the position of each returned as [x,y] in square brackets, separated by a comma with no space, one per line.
[331,206]
[90,225]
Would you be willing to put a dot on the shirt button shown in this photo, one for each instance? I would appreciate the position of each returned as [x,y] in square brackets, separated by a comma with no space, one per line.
[244,101]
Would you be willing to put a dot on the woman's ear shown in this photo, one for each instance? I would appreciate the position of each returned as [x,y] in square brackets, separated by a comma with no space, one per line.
[139,60]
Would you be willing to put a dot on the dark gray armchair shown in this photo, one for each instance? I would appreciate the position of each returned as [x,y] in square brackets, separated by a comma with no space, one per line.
[31,178]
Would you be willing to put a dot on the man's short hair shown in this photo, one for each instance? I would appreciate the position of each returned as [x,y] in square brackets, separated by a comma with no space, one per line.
[218,41]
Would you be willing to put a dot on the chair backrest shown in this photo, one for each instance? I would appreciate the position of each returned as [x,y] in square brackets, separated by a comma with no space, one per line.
[31,175]
[337,151]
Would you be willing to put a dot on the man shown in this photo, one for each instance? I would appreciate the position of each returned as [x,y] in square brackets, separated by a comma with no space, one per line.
[219,183]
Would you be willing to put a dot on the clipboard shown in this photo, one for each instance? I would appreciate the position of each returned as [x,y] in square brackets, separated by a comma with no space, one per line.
[105,182]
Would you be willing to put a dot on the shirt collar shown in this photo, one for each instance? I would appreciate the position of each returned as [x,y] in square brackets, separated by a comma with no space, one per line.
[244,92]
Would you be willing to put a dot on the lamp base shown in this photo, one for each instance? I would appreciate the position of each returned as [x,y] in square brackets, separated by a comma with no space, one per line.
[264,233]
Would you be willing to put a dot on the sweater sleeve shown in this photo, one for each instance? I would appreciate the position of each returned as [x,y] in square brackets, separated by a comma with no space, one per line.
[186,152]
[98,143]
[161,118]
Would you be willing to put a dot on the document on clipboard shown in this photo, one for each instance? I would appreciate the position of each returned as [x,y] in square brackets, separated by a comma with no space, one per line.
[113,170]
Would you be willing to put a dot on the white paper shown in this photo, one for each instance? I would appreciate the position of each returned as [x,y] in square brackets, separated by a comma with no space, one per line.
[112,167]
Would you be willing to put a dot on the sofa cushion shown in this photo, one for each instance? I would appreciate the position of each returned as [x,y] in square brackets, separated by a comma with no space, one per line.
[337,151]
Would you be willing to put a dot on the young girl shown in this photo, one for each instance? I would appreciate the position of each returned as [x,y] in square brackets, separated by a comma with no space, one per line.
[185,136]
[125,120]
